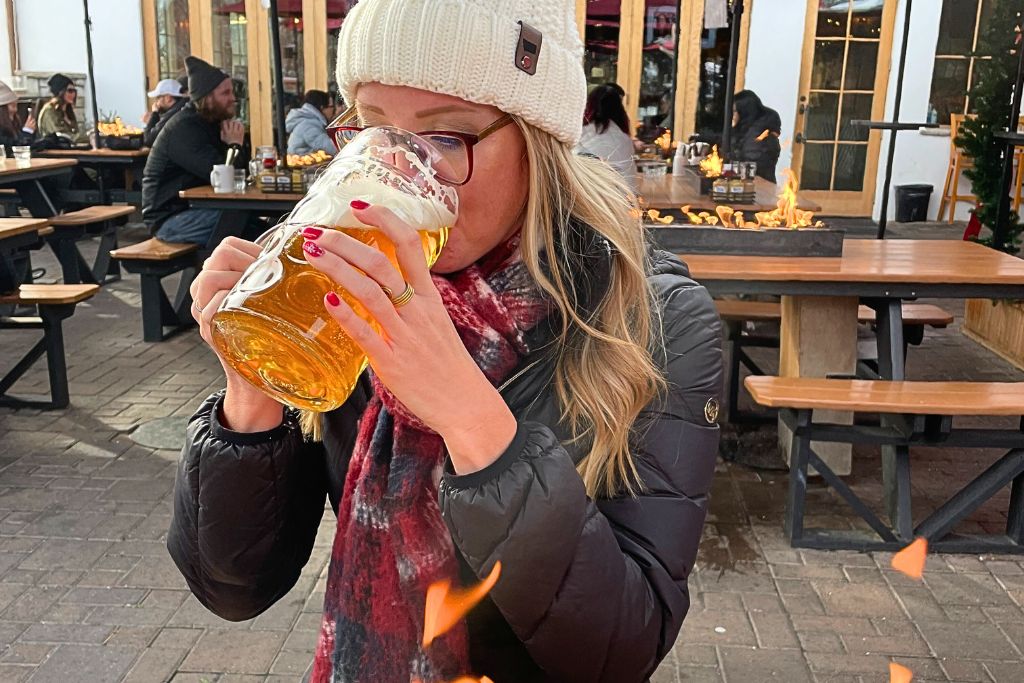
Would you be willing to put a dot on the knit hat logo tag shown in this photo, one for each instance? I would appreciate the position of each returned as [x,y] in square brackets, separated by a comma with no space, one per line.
[528,48]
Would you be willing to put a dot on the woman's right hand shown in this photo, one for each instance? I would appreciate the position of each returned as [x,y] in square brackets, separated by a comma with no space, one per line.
[246,409]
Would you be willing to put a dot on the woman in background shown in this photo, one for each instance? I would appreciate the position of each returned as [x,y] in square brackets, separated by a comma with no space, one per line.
[755,133]
[58,115]
[606,131]
[12,130]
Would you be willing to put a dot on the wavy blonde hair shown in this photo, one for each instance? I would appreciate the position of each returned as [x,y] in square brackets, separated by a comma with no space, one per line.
[598,404]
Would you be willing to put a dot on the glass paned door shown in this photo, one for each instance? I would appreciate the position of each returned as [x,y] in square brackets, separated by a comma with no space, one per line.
[601,42]
[172,37]
[843,79]
[229,25]
[658,68]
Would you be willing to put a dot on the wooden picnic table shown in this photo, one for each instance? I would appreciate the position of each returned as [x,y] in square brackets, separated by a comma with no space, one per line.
[130,162]
[17,236]
[252,199]
[238,209]
[820,298]
[25,181]
[670,193]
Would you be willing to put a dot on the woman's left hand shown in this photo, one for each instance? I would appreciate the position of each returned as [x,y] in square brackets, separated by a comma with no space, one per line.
[418,354]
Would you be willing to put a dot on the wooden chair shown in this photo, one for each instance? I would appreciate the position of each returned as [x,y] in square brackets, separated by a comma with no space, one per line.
[958,163]
[54,304]
[912,414]
[916,316]
[154,260]
[74,226]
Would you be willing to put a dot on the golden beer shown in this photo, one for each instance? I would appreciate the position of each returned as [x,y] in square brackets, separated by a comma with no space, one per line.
[273,327]
[283,340]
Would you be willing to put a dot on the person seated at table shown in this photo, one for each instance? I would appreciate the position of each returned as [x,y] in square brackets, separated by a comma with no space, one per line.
[168,99]
[307,125]
[185,152]
[58,115]
[755,133]
[606,131]
[13,131]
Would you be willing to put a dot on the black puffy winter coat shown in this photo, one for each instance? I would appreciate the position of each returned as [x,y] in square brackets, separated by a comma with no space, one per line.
[183,154]
[591,590]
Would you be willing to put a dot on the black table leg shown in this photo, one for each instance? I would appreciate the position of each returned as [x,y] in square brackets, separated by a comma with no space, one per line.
[35,198]
[895,459]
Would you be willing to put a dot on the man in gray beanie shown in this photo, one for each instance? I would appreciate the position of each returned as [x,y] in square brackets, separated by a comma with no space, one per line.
[187,149]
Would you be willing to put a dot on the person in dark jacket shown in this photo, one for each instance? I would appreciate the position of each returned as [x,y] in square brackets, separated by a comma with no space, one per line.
[306,125]
[185,152]
[755,133]
[545,396]
[169,98]
[13,131]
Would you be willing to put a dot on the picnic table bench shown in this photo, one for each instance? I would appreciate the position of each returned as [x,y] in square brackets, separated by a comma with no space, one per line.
[914,414]
[54,304]
[153,260]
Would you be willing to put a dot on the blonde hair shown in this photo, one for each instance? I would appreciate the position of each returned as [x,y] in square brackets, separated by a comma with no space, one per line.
[598,404]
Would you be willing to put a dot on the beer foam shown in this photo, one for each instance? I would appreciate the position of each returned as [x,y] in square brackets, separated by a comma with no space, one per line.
[425,204]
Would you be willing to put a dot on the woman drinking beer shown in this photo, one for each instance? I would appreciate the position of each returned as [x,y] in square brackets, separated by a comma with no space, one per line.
[545,396]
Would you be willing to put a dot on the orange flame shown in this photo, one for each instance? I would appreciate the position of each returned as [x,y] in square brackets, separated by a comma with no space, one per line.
[911,559]
[785,215]
[655,215]
[711,166]
[664,141]
[116,128]
[447,606]
[899,673]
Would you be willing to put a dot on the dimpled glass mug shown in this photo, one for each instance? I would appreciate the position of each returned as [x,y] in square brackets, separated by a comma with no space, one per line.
[273,328]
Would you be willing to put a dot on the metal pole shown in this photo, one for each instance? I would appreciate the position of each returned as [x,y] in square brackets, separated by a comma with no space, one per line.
[1003,208]
[883,219]
[275,45]
[92,76]
[730,79]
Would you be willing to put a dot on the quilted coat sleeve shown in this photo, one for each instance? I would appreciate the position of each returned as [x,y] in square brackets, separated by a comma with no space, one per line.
[246,512]
[597,590]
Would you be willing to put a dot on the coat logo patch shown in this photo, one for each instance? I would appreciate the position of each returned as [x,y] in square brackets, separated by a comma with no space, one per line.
[711,411]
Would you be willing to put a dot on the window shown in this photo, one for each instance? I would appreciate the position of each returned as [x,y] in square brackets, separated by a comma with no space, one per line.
[229,48]
[656,109]
[172,37]
[955,59]
[601,59]
[337,10]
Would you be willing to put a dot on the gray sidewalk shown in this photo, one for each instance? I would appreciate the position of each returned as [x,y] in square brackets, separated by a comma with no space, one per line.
[88,592]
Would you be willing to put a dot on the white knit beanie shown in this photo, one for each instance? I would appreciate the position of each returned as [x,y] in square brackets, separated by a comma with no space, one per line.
[467,48]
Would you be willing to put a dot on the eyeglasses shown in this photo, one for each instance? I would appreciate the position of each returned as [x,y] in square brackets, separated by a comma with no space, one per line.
[73,91]
[455,149]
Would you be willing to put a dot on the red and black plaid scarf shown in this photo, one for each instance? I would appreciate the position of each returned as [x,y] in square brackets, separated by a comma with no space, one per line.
[391,542]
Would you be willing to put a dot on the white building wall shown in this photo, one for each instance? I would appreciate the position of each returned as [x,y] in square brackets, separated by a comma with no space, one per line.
[919,158]
[773,62]
[5,51]
[773,71]
[51,38]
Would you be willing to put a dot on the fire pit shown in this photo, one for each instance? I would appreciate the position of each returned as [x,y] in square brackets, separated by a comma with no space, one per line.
[783,231]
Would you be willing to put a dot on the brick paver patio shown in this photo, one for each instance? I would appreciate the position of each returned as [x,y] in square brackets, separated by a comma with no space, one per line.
[88,592]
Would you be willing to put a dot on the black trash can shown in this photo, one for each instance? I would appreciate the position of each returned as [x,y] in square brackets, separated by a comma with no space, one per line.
[912,202]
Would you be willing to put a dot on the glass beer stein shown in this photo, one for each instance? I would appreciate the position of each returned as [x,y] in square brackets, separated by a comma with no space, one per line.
[273,328]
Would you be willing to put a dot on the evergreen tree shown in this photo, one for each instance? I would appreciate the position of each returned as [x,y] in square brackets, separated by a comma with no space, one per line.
[991,98]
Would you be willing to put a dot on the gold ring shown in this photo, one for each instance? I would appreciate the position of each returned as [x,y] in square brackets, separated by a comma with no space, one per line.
[403,298]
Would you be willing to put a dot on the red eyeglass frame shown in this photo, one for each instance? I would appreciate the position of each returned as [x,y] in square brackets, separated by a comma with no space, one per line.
[469,139]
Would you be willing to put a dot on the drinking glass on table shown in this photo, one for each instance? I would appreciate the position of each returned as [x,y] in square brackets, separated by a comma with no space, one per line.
[22,155]
[240,180]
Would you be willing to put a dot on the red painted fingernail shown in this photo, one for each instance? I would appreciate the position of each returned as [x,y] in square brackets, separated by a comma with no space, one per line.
[312,249]
[333,299]
[312,233]
[359,204]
